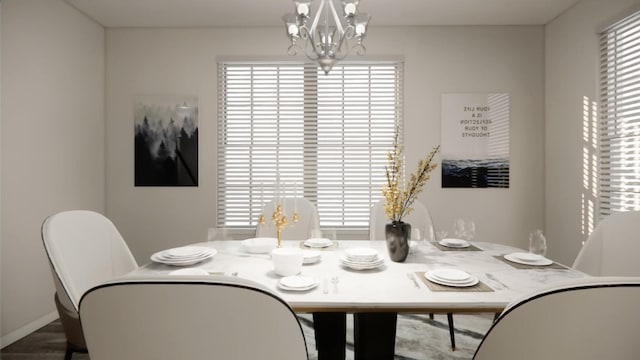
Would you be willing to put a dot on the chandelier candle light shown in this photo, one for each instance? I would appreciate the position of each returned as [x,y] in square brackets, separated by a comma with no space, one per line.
[278,217]
[331,36]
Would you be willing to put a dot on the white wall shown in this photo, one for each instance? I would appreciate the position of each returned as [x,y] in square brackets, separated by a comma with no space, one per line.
[52,142]
[437,60]
[572,53]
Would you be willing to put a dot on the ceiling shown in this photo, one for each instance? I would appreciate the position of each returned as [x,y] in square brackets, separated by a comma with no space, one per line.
[207,13]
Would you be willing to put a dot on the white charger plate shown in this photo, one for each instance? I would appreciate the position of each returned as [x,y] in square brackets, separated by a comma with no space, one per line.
[528,257]
[297,283]
[470,282]
[184,252]
[451,275]
[362,265]
[541,262]
[157,257]
[454,243]
[318,242]
[361,254]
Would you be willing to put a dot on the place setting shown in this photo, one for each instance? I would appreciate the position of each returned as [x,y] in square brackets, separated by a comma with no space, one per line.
[464,231]
[298,283]
[449,279]
[535,258]
[318,243]
[184,256]
[361,258]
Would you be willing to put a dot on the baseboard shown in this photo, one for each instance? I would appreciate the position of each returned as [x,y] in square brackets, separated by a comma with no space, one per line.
[16,335]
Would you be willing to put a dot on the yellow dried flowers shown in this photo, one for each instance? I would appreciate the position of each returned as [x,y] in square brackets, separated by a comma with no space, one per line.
[399,200]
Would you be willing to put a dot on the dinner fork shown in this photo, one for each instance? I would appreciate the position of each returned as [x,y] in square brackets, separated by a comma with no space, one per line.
[335,281]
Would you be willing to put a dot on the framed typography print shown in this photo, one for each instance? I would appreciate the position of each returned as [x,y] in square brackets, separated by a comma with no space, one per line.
[475,140]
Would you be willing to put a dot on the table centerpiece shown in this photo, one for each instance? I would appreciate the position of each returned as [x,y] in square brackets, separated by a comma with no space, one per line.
[400,197]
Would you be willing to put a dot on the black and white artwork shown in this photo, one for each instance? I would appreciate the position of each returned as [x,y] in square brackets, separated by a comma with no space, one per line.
[166,141]
[475,140]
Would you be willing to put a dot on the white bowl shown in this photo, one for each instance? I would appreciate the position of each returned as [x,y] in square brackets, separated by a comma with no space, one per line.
[261,245]
[287,261]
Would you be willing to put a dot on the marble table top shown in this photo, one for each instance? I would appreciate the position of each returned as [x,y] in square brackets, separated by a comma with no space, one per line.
[388,288]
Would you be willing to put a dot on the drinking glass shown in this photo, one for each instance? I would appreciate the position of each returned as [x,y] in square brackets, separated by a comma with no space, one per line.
[469,230]
[458,228]
[329,234]
[416,234]
[537,243]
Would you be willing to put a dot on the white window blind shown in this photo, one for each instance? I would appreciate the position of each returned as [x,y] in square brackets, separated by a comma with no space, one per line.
[619,175]
[322,137]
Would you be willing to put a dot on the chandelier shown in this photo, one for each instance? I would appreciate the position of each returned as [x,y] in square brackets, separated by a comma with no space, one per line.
[331,36]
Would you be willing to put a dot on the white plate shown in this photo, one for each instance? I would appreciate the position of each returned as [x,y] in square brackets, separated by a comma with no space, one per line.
[472,281]
[261,245]
[318,242]
[199,252]
[310,256]
[454,243]
[451,275]
[361,265]
[361,254]
[157,257]
[185,252]
[189,271]
[297,283]
[528,257]
[541,262]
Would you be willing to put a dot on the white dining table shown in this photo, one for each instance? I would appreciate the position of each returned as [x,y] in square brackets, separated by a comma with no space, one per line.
[394,286]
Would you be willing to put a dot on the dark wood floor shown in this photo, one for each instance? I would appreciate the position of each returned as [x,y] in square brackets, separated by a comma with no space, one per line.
[48,343]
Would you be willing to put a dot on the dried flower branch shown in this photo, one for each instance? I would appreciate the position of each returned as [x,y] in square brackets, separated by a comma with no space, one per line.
[398,201]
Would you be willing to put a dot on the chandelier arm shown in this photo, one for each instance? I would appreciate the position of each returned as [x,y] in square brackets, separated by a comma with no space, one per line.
[316,18]
[336,18]
[359,48]
[309,47]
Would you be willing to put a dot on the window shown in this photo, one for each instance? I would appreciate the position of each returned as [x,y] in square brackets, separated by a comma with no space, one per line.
[322,137]
[619,173]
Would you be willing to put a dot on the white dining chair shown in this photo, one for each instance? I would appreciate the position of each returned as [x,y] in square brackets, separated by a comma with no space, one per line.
[308,224]
[612,248]
[588,318]
[189,317]
[84,249]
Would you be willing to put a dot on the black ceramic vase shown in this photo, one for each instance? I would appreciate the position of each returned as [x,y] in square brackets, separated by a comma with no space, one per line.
[398,235]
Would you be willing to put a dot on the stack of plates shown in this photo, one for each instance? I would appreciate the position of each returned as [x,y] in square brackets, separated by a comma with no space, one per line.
[262,245]
[454,243]
[451,277]
[318,242]
[528,259]
[361,258]
[297,283]
[310,256]
[184,256]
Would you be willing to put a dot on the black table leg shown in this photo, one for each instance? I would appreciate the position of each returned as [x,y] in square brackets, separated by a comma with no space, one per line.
[331,335]
[374,336]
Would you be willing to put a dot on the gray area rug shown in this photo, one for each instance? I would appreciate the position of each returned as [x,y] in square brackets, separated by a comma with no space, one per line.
[418,337]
